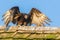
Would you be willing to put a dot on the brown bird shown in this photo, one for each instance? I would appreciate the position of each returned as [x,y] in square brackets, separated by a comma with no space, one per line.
[34,17]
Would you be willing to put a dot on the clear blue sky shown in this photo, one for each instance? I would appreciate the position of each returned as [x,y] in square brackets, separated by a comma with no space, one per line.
[51,8]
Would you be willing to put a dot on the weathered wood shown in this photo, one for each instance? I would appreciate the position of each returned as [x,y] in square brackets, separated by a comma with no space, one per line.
[32,29]
[30,32]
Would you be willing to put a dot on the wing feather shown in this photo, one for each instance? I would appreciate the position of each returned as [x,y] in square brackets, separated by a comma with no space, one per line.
[7,17]
[38,17]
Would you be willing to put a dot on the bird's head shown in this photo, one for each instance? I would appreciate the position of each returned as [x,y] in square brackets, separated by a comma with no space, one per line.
[15,7]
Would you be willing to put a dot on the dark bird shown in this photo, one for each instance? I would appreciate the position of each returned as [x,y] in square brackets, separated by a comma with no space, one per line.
[33,17]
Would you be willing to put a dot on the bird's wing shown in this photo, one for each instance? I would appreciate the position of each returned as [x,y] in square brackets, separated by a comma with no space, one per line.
[38,17]
[11,15]
[7,17]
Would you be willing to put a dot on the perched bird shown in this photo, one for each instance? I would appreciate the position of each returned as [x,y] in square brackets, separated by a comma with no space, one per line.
[33,17]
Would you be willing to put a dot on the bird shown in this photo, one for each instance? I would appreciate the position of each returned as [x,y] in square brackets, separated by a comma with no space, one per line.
[35,16]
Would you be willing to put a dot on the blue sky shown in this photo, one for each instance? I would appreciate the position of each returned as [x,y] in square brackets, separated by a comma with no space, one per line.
[51,8]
